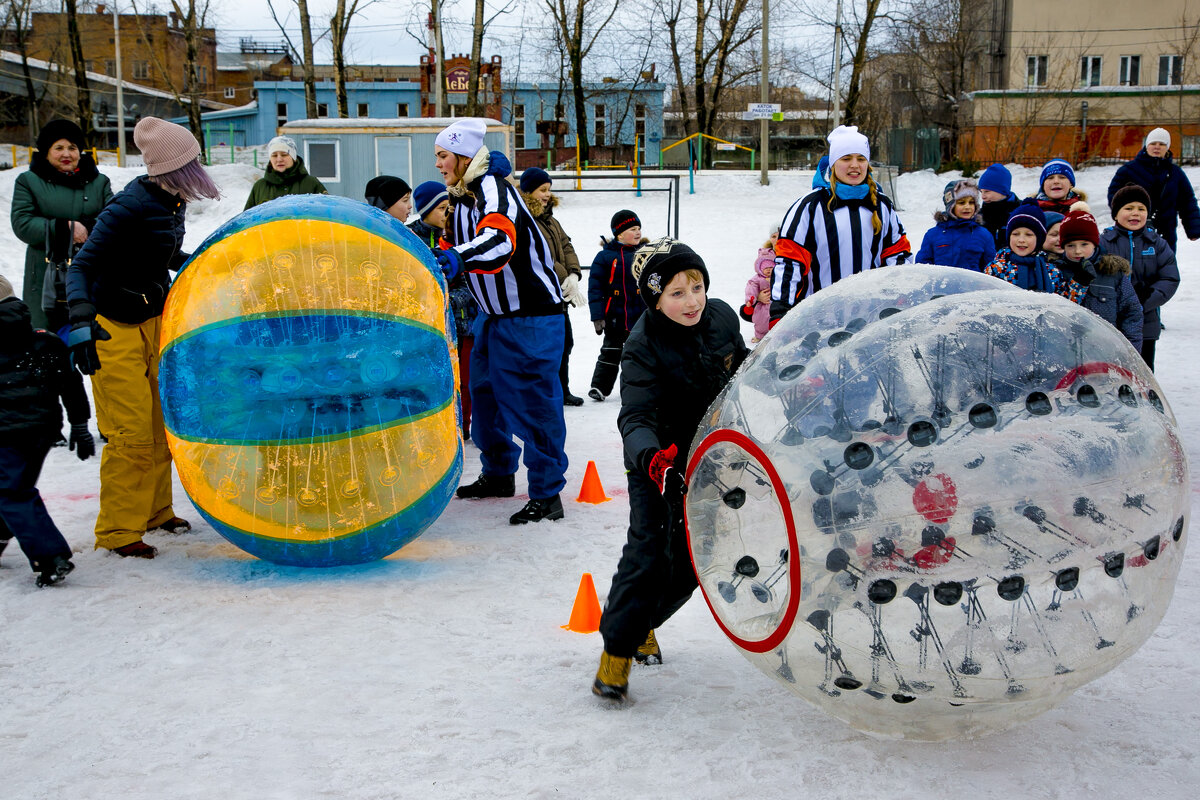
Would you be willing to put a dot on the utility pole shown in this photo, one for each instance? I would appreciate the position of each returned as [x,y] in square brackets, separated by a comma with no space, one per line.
[765,97]
[837,66]
[120,82]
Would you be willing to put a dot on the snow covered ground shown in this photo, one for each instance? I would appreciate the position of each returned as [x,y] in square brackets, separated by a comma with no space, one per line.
[442,671]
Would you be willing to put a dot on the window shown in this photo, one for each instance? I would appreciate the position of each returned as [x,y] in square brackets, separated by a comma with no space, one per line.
[202,74]
[364,110]
[141,70]
[1131,70]
[322,161]
[599,112]
[281,113]
[1035,71]
[600,142]
[519,127]
[110,68]
[639,120]
[87,65]
[322,110]
[1170,69]
[560,111]
[401,110]
[230,92]
[1190,148]
[1089,71]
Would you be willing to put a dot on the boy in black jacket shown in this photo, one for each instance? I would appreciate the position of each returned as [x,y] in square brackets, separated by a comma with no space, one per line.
[34,373]
[678,358]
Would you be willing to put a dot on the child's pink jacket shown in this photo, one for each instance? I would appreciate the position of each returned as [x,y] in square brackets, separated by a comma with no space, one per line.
[762,311]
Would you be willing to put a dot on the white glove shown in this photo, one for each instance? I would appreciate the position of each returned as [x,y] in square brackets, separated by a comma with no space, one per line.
[571,292]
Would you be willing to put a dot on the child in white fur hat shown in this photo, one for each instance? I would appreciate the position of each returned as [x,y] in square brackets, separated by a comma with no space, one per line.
[869,233]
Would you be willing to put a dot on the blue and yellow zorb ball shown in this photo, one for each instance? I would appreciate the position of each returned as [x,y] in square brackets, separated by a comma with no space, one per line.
[308,383]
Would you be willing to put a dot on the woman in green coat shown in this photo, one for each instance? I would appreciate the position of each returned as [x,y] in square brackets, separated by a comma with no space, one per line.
[285,174]
[55,202]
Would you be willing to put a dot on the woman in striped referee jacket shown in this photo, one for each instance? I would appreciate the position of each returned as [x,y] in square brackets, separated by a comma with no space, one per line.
[837,230]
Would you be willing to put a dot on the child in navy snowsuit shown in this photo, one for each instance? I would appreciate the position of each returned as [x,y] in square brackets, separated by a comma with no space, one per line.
[1155,274]
[1056,188]
[34,374]
[1023,265]
[613,298]
[1107,289]
[959,239]
[678,358]
[999,202]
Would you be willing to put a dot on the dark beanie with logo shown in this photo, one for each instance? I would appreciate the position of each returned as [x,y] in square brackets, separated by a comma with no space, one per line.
[656,263]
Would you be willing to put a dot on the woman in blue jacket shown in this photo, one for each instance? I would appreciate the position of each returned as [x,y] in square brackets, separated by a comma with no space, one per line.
[116,288]
[1172,198]
[959,238]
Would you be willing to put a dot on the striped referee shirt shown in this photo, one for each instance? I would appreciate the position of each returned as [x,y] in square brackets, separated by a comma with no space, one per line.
[818,247]
[510,267]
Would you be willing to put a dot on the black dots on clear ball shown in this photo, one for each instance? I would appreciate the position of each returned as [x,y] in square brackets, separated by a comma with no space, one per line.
[982,415]
[949,593]
[1038,404]
[1114,564]
[837,560]
[735,498]
[1087,396]
[747,566]
[1011,588]
[1151,548]
[847,682]
[791,372]
[1177,533]
[903,698]
[1067,579]
[840,337]
[881,591]
[922,433]
[859,455]
[1126,395]
[1156,401]
[855,325]
[888,312]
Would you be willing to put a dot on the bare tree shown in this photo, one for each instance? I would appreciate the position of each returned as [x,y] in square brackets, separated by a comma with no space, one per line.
[191,16]
[17,18]
[339,25]
[580,23]
[305,52]
[83,96]
[859,62]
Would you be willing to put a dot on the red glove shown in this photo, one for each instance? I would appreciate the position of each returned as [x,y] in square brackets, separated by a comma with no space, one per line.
[660,464]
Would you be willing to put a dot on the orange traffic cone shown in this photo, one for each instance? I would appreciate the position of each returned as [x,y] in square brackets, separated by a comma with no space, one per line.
[592,491]
[585,614]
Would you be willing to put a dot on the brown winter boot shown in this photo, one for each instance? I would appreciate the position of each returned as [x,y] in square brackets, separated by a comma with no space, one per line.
[649,652]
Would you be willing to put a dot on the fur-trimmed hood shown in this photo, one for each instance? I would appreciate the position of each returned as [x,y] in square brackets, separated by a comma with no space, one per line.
[537,207]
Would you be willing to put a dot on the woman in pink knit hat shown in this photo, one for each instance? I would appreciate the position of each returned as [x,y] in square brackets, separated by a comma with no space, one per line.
[116,287]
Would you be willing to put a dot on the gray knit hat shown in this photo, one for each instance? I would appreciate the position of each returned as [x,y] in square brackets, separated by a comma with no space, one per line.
[6,290]
[165,146]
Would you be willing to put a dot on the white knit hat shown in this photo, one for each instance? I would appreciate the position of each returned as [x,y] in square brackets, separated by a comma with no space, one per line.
[282,144]
[463,138]
[1159,135]
[6,289]
[846,140]
[165,146]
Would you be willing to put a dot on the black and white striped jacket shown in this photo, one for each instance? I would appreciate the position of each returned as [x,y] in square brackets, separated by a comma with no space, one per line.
[818,247]
[510,267]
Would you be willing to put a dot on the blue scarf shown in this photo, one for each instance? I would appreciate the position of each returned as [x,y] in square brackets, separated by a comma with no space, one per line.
[845,191]
[1032,272]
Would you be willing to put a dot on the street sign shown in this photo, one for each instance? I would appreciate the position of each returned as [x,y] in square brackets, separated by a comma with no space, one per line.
[765,108]
[723,146]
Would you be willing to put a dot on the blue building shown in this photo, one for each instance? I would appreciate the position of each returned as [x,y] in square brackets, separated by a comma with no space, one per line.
[543,121]
[542,117]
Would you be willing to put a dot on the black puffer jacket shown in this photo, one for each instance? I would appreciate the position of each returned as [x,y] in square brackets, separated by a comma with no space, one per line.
[670,374]
[122,267]
[34,373]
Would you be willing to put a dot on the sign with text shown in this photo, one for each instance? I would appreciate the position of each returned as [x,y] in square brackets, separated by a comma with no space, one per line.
[762,110]
[458,79]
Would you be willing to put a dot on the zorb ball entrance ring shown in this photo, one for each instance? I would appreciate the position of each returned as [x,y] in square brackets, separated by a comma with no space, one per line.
[933,505]
[308,383]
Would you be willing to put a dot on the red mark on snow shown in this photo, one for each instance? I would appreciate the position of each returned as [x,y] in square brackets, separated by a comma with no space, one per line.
[936,498]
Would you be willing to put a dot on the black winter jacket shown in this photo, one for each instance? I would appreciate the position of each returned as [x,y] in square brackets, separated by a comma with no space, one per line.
[612,289]
[670,374]
[1155,274]
[34,373]
[995,218]
[1172,197]
[122,267]
[1109,293]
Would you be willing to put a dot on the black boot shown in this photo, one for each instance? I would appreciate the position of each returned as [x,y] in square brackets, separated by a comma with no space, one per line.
[489,486]
[55,571]
[538,510]
[571,399]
